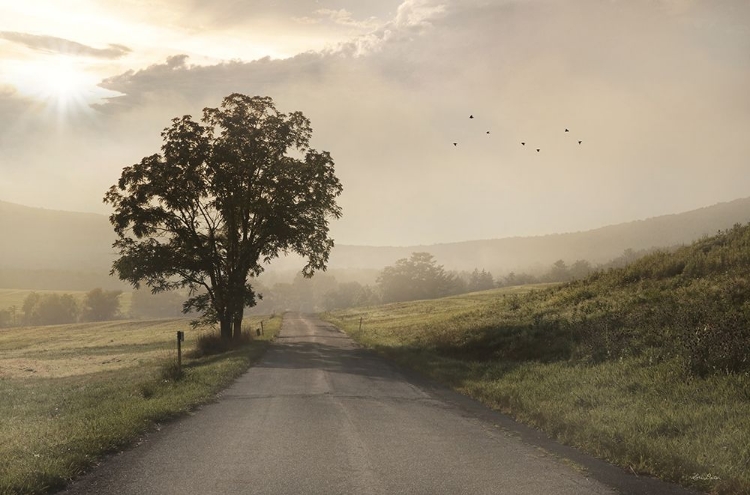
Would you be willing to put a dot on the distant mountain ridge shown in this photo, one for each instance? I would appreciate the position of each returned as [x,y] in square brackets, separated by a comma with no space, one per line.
[597,246]
[40,239]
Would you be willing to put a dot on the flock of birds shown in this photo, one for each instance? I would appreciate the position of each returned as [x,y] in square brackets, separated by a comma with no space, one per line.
[523,143]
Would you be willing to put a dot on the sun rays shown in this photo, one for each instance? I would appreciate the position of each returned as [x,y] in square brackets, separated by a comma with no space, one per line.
[61,86]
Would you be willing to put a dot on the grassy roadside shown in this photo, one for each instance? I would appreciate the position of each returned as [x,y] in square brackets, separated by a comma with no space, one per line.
[639,410]
[72,393]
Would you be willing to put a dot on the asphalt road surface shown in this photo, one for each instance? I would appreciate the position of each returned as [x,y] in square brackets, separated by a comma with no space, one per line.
[319,415]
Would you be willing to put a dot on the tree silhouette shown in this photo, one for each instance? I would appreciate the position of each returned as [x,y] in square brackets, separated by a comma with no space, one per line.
[49,309]
[418,277]
[100,305]
[223,197]
[480,280]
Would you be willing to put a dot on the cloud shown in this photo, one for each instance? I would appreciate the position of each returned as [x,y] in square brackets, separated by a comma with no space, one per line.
[176,82]
[176,78]
[418,12]
[341,17]
[52,44]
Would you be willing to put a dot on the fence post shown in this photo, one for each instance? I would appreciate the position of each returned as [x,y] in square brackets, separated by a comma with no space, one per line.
[262,331]
[360,323]
[180,338]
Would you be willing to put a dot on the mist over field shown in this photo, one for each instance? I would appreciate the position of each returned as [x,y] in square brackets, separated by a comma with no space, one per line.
[72,251]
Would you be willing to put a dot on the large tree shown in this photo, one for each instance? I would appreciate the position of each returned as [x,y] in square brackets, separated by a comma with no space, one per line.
[224,196]
[419,277]
[100,305]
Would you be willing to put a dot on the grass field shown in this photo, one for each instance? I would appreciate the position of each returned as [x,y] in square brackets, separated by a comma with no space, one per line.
[640,410]
[72,393]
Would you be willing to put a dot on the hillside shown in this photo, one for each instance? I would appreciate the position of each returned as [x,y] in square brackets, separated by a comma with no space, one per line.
[43,249]
[40,239]
[645,366]
[597,246]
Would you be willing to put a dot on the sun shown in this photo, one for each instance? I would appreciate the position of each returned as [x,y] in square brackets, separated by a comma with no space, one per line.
[61,85]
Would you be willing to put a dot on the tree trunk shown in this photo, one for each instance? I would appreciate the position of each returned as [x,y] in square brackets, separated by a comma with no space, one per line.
[238,323]
[225,323]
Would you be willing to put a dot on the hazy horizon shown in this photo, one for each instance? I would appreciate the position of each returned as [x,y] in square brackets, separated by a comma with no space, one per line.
[654,90]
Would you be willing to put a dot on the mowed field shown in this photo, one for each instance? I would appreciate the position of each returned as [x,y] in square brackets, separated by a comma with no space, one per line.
[72,393]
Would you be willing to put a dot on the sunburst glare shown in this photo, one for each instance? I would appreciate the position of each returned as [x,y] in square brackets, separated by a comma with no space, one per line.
[62,86]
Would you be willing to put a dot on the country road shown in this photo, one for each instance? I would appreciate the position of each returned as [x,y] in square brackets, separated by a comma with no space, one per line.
[320,415]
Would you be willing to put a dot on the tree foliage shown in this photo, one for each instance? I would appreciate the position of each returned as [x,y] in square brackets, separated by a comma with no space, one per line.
[419,277]
[100,305]
[49,309]
[348,295]
[224,196]
[480,281]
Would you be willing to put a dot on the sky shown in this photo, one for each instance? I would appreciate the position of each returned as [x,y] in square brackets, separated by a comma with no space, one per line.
[655,90]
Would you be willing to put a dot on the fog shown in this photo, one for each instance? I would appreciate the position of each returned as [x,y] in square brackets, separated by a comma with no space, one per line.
[654,90]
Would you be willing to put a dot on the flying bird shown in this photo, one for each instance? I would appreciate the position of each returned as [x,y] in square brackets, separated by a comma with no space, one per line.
[488,132]
[471,116]
[567,130]
[523,144]
[455,144]
[537,150]
[579,142]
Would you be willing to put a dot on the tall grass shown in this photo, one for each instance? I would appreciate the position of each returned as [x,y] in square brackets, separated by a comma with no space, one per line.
[72,393]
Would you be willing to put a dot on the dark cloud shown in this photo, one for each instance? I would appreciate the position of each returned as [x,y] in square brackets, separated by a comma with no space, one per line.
[53,44]
[178,81]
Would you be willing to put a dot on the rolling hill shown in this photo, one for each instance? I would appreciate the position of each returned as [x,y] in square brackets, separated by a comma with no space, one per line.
[597,246]
[48,249]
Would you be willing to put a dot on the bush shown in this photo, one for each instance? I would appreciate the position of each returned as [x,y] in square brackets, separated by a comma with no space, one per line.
[716,343]
[211,343]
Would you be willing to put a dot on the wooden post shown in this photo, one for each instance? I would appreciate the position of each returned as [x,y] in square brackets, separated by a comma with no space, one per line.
[262,330]
[360,323]
[179,351]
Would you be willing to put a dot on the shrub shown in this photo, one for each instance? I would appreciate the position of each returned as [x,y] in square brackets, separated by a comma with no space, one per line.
[714,343]
[211,343]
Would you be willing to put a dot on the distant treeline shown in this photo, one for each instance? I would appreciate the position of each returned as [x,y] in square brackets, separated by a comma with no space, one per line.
[413,278]
[562,272]
[96,305]
[417,277]
[56,308]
